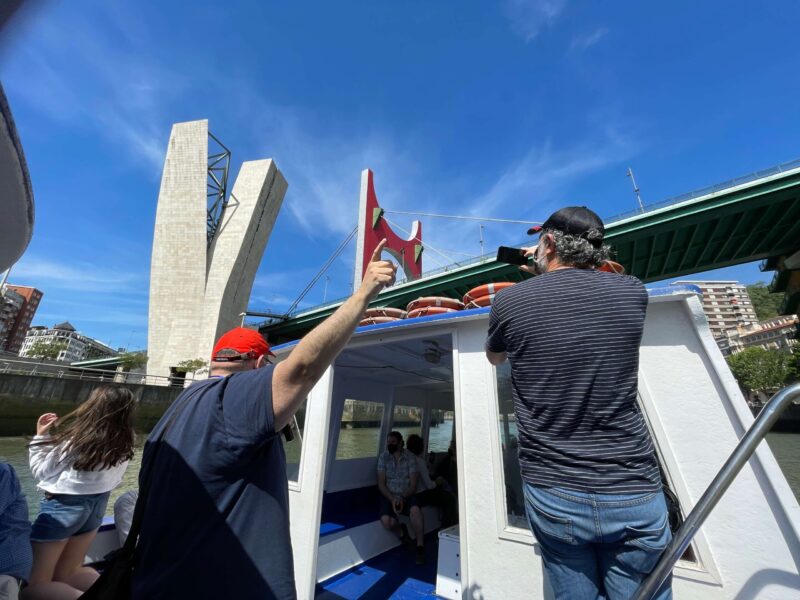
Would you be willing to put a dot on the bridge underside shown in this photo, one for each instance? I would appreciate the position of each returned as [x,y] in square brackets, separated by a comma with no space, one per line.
[753,221]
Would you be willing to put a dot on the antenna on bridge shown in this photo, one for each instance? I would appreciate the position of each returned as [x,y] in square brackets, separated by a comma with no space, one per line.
[635,189]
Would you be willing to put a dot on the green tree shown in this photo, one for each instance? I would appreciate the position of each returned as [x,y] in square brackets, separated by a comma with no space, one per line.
[46,350]
[190,366]
[765,303]
[133,360]
[759,370]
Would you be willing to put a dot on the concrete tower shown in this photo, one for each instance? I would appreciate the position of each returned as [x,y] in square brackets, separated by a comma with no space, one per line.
[205,257]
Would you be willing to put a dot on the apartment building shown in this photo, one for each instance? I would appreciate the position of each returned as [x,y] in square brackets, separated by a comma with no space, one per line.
[74,346]
[727,306]
[778,333]
[17,308]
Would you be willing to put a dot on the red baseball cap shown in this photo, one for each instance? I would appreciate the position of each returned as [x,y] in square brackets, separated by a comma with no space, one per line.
[240,344]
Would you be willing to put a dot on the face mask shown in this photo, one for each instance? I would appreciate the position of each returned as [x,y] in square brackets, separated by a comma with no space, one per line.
[392,448]
[539,260]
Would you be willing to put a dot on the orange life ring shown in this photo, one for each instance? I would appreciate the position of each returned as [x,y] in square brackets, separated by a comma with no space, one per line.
[482,301]
[609,266]
[489,289]
[385,311]
[425,311]
[435,301]
[377,320]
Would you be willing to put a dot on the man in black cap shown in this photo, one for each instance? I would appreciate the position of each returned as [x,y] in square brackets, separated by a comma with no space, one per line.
[591,480]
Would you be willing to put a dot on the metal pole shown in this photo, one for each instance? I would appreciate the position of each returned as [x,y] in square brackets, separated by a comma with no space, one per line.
[481,234]
[741,454]
[636,189]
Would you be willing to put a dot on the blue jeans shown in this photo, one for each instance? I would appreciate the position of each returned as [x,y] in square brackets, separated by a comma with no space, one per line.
[598,545]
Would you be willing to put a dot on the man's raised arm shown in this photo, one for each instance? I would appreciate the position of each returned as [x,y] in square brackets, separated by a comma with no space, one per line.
[295,376]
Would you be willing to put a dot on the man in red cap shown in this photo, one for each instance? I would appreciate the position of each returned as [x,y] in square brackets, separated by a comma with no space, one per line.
[213,483]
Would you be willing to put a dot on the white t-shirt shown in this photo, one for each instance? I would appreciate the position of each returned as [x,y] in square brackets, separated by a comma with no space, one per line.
[54,475]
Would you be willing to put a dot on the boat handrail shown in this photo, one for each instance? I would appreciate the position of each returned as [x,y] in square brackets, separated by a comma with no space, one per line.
[740,455]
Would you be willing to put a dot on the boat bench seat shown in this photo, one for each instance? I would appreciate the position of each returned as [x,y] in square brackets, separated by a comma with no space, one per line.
[349,508]
[351,532]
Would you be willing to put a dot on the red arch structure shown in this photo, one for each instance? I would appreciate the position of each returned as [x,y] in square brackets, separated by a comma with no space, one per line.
[372,228]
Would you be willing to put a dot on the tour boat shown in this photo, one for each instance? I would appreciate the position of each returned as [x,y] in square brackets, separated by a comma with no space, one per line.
[748,547]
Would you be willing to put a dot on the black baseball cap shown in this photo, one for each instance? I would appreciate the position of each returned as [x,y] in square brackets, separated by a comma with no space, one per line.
[574,220]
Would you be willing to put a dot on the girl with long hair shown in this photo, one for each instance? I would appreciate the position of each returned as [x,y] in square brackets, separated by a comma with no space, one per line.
[76,460]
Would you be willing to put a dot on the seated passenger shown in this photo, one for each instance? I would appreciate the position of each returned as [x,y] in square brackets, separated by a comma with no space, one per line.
[447,472]
[432,493]
[15,535]
[397,482]
[123,514]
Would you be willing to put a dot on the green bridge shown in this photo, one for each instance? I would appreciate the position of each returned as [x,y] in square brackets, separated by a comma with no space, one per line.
[747,219]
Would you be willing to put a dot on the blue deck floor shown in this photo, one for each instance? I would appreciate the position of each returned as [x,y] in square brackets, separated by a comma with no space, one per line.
[392,575]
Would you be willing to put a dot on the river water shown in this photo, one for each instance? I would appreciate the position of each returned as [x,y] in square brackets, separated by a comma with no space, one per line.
[355,443]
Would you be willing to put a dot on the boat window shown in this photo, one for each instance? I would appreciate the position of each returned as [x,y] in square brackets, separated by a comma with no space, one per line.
[293,449]
[441,430]
[359,434]
[407,420]
[509,447]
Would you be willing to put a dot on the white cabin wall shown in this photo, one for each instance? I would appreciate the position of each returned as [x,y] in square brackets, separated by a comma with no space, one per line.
[493,567]
[748,548]
[305,496]
[696,408]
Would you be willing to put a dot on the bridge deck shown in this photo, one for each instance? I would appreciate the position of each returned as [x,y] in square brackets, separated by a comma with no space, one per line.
[742,221]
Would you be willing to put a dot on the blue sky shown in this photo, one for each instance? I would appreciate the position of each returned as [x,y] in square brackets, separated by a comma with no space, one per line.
[505,109]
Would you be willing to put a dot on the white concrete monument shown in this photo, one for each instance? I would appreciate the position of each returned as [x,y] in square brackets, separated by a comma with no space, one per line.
[204,261]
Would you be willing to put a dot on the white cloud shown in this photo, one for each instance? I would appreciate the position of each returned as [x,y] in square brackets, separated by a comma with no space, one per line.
[529,17]
[324,171]
[77,276]
[529,189]
[584,42]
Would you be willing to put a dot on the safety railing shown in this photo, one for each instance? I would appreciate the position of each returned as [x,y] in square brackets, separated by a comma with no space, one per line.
[65,371]
[741,454]
[711,189]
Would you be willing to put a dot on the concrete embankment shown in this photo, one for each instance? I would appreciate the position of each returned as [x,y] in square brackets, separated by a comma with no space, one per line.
[24,397]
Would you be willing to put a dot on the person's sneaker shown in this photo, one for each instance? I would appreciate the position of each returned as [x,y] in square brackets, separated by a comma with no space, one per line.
[420,559]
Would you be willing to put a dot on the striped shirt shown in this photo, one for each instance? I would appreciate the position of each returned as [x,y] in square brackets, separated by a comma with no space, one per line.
[572,338]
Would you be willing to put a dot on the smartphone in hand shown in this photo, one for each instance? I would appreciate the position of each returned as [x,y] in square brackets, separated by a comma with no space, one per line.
[512,256]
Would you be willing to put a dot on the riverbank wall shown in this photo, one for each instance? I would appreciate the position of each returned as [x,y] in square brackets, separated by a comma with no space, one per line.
[24,397]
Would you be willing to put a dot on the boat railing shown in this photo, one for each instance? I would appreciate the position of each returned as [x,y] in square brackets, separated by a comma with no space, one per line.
[740,455]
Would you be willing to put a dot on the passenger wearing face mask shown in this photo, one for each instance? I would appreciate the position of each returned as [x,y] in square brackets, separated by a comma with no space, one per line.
[397,482]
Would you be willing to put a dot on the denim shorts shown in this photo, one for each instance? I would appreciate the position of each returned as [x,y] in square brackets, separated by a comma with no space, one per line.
[62,516]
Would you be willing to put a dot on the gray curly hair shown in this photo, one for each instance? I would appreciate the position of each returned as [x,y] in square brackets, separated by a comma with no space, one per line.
[577,250]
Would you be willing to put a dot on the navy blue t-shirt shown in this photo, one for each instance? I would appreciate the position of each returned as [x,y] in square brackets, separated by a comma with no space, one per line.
[572,338]
[216,522]
[16,557]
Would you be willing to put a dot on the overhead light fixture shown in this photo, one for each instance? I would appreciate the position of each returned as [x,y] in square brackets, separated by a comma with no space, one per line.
[432,353]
